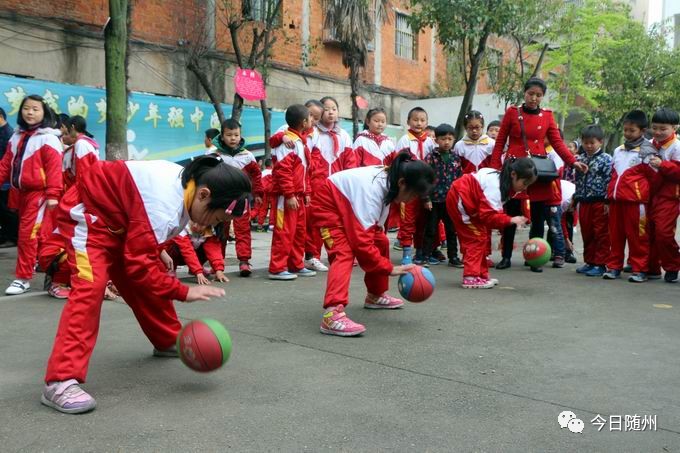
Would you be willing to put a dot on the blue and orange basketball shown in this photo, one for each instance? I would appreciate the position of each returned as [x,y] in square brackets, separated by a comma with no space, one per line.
[417,285]
[204,345]
[536,252]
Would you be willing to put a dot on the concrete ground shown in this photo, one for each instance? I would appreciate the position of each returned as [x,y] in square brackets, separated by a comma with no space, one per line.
[465,371]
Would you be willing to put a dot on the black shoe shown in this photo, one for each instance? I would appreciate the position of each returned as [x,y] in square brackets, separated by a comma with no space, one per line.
[627,268]
[538,270]
[503,264]
[570,258]
[671,276]
[455,262]
[558,262]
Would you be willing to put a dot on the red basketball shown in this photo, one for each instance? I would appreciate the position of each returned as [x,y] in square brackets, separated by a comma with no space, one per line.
[204,345]
[417,285]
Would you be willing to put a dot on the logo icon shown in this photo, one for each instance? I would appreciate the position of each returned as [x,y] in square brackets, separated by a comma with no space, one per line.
[567,419]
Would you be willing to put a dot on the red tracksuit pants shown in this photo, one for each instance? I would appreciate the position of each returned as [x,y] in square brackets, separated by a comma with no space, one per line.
[595,232]
[264,209]
[313,239]
[341,260]
[474,242]
[412,226]
[288,240]
[33,217]
[664,248]
[53,259]
[243,237]
[95,255]
[628,223]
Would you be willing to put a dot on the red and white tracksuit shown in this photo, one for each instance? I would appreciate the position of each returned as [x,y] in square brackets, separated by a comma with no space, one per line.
[664,208]
[266,198]
[193,249]
[32,164]
[628,195]
[350,211]
[371,149]
[412,224]
[332,152]
[474,204]
[290,179]
[245,161]
[474,154]
[112,222]
[77,160]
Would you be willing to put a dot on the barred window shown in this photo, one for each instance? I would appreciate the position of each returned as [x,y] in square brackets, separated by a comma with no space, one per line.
[257,10]
[405,44]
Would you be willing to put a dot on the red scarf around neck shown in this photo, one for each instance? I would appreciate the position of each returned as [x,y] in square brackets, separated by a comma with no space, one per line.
[659,145]
[378,138]
[421,142]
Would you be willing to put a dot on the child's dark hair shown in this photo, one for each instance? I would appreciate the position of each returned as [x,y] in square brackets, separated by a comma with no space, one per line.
[536,82]
[296,114]
[418,176]
[444,129]
[524,168]
[267,163]
[62,120]
[636,117]
[415,110]
[78,124]
[429,128]
[494,123]
[666,116]
[371,113]
[315,103]
[49,119]
[473,115]
[592,131]
[211,133]
[3,115]
[230,124]
[226,183]
[329,98]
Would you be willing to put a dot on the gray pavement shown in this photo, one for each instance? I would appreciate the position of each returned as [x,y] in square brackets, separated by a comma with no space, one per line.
[464,371]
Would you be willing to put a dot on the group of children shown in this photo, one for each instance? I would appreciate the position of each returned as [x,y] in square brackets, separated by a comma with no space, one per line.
[127,225]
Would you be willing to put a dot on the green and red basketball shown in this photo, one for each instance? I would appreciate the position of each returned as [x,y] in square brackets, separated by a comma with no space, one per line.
[537,252]
[204,345]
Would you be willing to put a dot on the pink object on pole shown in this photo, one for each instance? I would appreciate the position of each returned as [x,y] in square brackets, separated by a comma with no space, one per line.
[362,103]
[249,84]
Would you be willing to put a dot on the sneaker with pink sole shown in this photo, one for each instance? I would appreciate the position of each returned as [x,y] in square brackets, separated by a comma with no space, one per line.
[382,302]
[58,291]
[67,397]
[476,283]
[336,322]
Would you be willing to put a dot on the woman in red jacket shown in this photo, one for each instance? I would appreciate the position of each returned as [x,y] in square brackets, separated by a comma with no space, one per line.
[538,125]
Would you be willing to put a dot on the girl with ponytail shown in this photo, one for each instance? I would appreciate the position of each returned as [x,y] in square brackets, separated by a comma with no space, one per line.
[350,210]
[475,204]
[112,222]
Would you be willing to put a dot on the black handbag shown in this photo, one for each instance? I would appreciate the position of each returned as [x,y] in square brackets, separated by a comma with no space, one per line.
[545,167]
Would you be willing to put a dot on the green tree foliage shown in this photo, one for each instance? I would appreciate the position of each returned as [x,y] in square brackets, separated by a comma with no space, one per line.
[464,27]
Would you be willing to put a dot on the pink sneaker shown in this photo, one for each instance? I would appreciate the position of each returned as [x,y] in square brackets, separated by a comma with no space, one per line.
[476,283]
[336,322]
[67,397]
[384,301]
[58,291]
[493,280]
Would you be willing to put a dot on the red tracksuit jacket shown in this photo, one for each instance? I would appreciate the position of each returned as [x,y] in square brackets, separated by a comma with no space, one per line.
[144,200]
[370,149]
[630,177]
[188,242]
[666,183]
[537,127]
[474,154]
[332,152]
[479,199]
[290,175]
[419,147]
[32,162]
[78,158]
[355,201]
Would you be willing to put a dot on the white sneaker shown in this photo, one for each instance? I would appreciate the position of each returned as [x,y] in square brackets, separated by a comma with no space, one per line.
[18,287]
[315,265]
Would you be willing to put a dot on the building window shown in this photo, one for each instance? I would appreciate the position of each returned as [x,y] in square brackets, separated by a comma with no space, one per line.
[405,44]
[257,10]
[494,61]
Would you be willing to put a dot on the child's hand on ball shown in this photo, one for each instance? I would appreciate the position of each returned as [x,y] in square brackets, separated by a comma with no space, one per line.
[202,279]
[519,220]
[401,270]
[203,293]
